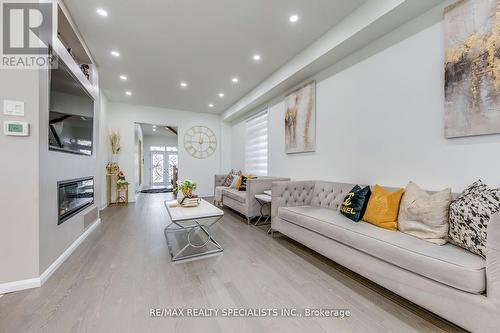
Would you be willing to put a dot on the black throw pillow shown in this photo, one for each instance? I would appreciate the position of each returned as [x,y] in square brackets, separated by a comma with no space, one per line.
[355,203]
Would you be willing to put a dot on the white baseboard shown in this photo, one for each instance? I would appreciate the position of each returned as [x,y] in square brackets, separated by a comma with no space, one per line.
[39,281]
[19,285]
[62,258]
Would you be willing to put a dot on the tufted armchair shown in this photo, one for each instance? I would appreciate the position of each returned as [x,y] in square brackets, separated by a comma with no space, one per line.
[244,202]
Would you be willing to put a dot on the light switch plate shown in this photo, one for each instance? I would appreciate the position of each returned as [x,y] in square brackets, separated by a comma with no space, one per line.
[13,108]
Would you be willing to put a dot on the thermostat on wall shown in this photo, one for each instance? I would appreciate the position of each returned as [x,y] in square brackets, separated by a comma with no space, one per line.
[16,128]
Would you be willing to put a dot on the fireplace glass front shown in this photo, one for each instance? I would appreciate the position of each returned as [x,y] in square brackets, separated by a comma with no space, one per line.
[74,196]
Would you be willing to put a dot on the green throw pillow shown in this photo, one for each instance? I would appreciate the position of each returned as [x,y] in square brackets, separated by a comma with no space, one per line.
[355,203]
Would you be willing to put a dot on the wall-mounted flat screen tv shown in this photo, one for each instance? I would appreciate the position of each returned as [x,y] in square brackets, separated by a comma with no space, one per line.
[71,116]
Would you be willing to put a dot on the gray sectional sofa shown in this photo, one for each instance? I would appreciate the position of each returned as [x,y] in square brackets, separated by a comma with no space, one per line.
[456,284]
[244,202]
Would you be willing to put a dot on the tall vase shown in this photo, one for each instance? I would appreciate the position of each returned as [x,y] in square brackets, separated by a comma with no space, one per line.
[114,169]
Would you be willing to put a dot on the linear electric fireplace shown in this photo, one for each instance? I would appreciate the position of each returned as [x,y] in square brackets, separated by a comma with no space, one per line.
[74,196]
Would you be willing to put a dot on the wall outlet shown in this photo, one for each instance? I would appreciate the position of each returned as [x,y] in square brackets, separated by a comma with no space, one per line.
[13,108]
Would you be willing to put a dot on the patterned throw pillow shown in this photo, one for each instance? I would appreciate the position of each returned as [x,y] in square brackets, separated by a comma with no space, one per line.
[230,176]
[469,217]
[355,202]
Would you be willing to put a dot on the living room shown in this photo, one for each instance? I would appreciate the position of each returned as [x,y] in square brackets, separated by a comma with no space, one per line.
[257,166]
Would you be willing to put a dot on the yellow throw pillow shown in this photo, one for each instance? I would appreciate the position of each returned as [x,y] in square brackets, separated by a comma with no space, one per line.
[238,183]
[383,208]
[240,180]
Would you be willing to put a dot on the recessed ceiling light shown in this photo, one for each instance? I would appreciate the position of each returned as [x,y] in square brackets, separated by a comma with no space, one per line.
[124,77]
[235,80]
[257,57]
[184,84]
[294,18]
[154,126]
[221,95]
[210,105]
[115,53]
[128,93]
[102,12]
[154,129]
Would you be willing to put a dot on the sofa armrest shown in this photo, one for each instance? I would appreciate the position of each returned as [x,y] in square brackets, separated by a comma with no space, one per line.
[493,259]
[290,194]
[258,186]
[219,179]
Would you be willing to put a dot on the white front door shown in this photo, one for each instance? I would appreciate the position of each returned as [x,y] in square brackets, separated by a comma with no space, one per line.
[159,176]
[172,159]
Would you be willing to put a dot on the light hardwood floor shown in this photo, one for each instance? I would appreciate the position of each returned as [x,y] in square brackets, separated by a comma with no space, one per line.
[123,269]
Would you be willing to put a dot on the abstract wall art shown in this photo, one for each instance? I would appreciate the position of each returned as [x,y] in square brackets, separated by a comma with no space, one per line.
[300,119]
[472,68]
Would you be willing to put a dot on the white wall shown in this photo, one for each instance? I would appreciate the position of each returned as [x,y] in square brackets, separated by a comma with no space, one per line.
[154,140]
[30,239]
[237,144]
[138,159]
[19,180]
[226,146]
[103,150]
[380,119]
[56,166]
[122,117]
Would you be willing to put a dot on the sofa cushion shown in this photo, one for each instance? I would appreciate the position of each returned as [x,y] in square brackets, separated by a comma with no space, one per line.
[234,194]
[448,264]
[383,208]
[470,214]
[229,177]
[355,203]
[244,181]
[425,215]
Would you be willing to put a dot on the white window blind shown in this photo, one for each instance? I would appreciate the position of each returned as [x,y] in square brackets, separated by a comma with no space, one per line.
[256,144]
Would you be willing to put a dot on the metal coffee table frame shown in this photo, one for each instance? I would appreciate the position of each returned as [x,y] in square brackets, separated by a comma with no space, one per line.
[178,226]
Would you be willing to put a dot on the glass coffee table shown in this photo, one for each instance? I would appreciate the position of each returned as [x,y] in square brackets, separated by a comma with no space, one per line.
[190,230]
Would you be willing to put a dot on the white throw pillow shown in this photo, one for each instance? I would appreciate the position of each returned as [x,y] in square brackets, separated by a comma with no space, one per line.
[425,215]
[233,183]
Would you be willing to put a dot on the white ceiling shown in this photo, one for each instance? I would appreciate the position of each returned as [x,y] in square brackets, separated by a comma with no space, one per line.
[157,130]
[202,42]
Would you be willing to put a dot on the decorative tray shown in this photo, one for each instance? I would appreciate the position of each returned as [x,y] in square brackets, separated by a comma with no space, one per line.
[189,202]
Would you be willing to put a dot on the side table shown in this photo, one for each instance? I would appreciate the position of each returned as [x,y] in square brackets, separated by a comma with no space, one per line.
[265,201]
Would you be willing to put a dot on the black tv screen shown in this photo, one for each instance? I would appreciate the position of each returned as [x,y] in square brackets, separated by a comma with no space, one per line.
[71,116]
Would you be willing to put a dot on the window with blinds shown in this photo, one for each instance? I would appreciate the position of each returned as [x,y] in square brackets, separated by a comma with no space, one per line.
[256,145]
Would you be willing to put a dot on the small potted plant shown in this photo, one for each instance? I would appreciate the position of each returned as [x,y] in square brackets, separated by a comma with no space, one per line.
[121,183]
[187,187]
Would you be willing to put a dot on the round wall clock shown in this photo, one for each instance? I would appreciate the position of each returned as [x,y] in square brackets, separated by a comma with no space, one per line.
[200,142]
